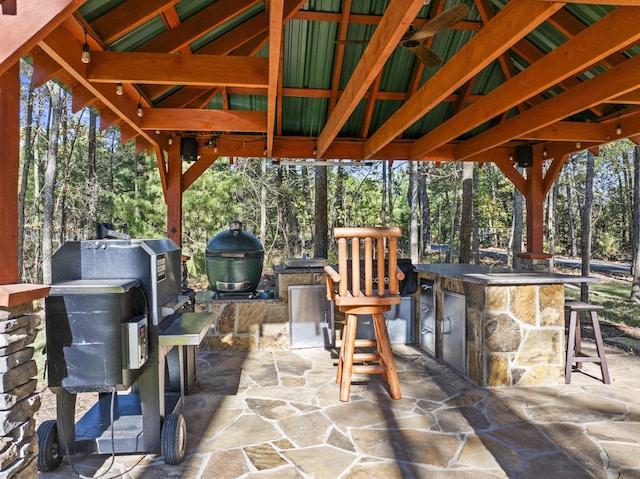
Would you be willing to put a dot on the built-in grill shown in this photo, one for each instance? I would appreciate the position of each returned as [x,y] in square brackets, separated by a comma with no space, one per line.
[234,260]
[117,324]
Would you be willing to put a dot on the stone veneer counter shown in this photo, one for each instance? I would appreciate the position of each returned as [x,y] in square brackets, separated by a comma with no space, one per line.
[514,321]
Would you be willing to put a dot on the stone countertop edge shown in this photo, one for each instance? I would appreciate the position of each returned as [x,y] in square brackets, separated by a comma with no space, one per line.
[492,275]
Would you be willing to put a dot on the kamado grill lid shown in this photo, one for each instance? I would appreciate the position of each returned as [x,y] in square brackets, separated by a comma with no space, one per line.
[234,243]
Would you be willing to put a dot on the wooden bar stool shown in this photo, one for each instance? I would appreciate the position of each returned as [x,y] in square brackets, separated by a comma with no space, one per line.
[574,340]
[354,300]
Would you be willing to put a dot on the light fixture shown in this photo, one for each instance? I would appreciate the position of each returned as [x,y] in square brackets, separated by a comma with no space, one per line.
[215,145]
[140,113]
[119,89]
[618,127]
[170,140]
[510,156]
[545,152]
[86,55]
[578,144]
[315,150]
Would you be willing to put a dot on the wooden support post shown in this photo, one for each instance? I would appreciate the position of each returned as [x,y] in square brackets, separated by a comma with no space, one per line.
[174,194]
[535,204]
[9,166]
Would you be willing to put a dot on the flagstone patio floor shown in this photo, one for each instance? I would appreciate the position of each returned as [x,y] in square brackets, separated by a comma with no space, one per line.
[277,415]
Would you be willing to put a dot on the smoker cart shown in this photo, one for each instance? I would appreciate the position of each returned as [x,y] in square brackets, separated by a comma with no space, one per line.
[116,325]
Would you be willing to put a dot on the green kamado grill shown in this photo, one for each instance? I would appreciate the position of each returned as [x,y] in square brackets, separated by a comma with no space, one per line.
[234,260]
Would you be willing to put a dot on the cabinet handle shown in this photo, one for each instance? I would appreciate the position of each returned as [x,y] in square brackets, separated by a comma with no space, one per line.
[426,310]
[426,287]
[446,325]
[425,330]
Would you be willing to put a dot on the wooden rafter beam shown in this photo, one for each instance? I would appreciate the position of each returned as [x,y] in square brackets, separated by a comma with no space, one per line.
[392,26]
[623,78]
[204,120]
[276,18]
[128,16]
[169,69]
[22,32]
[629,3]
[62,46]
[617,29]
[209,18]
[511,24]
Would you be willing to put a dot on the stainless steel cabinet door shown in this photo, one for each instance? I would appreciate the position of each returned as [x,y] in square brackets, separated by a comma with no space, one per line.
[453,328]
[427,316]
[310,317]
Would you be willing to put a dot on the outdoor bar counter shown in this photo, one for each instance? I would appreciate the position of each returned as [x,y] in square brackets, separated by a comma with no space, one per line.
[510,323]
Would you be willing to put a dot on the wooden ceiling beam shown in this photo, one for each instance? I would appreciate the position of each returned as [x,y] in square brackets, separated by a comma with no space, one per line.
[573,131]
[204,120]
[62,46]
[229,41]
[511,24]
[128,16]
[209,18]
[169,69]
[623,78]
[631,98]
[360,19]
[392,26]
[606,36]
[35,20]
[276,21]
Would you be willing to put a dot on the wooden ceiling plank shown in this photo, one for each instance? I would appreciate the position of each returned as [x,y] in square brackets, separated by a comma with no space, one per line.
[81,98]
[45,68]
[511,24]
[128,16]
[605,36]
[623,78]
[207,19]
[65,50]
[572,131]
[229,41]
[338,56]
[154,91]
[204,120]
[182,97]
[22,32]
[631,98]
[251,35]
[371,103]
[276,21]
[169,69]
[107,118]
[392,26]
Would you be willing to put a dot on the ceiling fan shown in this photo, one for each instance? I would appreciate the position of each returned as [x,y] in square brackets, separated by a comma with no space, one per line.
[415,40]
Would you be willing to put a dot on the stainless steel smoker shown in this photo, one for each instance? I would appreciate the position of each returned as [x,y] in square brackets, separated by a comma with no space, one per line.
[116,324]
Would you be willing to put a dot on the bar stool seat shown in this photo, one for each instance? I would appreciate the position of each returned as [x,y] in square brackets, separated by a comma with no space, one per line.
[574,339]
[356,291]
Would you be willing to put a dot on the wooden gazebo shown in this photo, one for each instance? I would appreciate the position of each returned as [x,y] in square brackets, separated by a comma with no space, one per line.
[518,82]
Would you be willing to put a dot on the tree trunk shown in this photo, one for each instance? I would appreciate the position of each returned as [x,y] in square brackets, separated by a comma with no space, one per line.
[425,209]
[635,264]
[572,222]
[383,213]
[49,181]
[551,219]
[413,206]
[321,225]
[585,220]
[518,227]
[467,208]
[475,235]
[26,166]
[263,201]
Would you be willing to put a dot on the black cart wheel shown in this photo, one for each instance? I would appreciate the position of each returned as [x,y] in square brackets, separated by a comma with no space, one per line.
[174,439]
[49,456]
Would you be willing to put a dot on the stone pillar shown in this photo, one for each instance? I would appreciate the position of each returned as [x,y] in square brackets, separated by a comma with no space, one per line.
[536,262]
[18,398]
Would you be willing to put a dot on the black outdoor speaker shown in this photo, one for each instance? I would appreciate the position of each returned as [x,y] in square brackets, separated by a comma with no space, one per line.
[524,156]
[188,149]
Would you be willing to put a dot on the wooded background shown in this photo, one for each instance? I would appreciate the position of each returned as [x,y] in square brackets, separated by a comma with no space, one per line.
[74,175]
